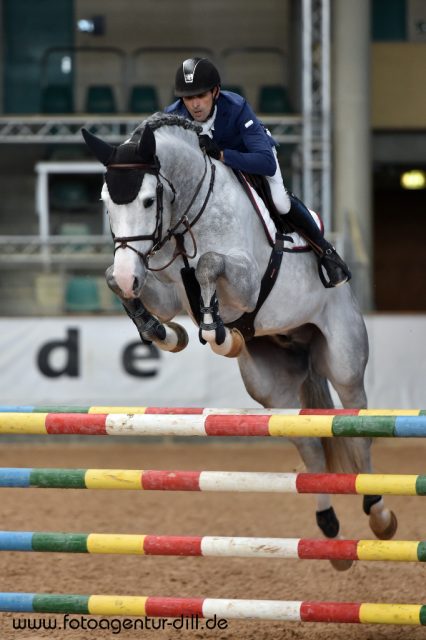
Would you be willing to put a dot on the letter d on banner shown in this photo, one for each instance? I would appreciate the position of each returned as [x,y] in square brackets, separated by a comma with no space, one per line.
[71,347]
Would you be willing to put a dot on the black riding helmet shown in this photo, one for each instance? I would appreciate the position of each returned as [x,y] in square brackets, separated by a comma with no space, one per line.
[195,76]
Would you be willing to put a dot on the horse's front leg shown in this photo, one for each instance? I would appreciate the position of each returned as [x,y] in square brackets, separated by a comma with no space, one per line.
[168,336]
[241,280]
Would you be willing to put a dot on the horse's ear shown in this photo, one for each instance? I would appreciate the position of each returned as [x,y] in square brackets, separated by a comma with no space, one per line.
[102,150]
[146,147]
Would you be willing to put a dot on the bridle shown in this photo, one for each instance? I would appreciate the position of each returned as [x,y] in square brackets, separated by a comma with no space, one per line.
[159,240]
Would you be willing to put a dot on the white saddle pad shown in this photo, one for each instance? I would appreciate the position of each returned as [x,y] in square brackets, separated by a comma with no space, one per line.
[298,243]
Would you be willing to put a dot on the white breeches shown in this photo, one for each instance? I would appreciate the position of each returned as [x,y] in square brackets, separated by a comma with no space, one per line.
[279,194]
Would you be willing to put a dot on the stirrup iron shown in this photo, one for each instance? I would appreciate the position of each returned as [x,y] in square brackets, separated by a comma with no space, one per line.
[337,270]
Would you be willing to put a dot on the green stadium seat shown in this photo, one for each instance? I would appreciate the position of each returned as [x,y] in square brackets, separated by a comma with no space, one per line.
[57,98]
[100,99]
[143,99]
[81,294]
[274,99]
[69,193]
[74,229]
[235,88]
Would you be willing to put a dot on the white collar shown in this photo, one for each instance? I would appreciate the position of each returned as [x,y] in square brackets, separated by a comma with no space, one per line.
[208,125]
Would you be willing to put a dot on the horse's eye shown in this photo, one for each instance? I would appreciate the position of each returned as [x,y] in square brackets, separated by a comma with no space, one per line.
[148,202]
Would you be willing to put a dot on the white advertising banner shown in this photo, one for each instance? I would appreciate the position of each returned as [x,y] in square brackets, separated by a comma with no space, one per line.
[98,360]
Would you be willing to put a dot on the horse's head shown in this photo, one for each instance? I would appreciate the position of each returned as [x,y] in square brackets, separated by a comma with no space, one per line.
[138,209]
[144,206]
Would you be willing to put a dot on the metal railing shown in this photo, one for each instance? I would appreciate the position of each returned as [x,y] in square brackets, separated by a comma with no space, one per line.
[113,128]
[18,251]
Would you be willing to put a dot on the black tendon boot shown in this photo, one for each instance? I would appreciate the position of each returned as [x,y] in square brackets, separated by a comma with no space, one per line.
[336,269]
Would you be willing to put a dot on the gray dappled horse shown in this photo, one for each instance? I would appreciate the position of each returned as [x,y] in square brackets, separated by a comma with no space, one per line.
[176,214]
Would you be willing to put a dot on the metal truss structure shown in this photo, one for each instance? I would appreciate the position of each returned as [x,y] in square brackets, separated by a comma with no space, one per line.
[316,107]
[56,251]
[64,129]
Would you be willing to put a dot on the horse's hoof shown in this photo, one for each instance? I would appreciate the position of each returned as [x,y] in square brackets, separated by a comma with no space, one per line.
[388,532]
[237,344]
[341,565]
[231,347]
[182,336]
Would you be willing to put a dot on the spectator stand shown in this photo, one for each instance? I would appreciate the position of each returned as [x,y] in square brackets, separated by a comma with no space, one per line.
[73,88]
[258,71]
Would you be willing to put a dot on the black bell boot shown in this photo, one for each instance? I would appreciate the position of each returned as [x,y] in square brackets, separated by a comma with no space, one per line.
[303,222]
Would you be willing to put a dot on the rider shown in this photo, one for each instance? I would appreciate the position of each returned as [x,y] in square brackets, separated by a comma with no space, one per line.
[232,134]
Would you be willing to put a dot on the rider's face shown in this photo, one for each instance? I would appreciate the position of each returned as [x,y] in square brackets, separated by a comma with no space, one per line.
[200,106]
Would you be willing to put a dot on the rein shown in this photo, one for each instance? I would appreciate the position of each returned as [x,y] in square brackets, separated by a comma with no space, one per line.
[158,240]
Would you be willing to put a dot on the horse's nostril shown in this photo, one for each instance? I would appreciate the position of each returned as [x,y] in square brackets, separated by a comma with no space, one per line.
[135,284]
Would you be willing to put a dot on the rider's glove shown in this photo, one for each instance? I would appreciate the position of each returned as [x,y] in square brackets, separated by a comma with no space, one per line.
[209,146]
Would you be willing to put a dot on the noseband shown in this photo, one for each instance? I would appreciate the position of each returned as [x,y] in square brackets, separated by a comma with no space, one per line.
[158,240]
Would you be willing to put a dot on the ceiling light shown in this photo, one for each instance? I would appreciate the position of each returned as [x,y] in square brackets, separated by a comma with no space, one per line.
[413,179]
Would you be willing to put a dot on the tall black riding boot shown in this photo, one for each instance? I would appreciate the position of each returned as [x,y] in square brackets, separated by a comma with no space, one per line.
[303,222]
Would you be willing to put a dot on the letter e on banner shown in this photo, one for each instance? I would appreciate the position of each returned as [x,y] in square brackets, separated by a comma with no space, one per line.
[136,357]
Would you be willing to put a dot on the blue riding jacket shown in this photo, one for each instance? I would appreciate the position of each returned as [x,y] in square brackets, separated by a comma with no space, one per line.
[238,132]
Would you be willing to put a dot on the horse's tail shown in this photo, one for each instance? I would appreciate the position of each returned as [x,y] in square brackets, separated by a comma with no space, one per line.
[343,455]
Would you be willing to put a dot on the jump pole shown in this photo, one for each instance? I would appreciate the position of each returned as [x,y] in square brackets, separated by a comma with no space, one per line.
[205,410]
[141,606]
[239,481]
[324,426]
[214,546]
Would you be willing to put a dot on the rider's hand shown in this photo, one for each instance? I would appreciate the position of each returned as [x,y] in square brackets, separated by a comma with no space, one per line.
[210,147]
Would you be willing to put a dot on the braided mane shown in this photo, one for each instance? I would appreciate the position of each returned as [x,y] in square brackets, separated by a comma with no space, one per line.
[159,119]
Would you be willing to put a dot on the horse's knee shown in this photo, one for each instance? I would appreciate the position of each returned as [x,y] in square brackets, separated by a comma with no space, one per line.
[210,266]
[211,262]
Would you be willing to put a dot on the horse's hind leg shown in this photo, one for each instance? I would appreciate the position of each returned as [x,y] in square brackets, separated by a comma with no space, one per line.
[313,454]
[274,377]
[340,349]
[340,354]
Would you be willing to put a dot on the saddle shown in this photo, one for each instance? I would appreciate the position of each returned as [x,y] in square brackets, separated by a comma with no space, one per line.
[260,184]
[296,240]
